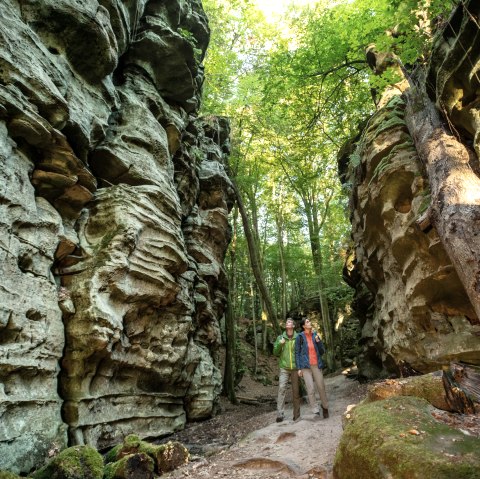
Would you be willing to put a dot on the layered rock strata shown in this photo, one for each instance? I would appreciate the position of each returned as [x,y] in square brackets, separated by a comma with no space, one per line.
[113,205]
[413,309]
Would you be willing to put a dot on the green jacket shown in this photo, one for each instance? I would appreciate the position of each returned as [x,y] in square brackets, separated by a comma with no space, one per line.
[285,351]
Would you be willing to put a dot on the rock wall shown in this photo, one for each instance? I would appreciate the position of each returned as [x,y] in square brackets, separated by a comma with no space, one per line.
[113,211]
[413,308]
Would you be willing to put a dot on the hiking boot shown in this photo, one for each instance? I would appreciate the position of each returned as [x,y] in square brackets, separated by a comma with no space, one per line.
[325,412]
[279,418]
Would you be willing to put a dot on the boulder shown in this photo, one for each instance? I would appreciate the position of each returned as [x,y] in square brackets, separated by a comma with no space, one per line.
[79,462]
[428,386]
[417,315]
[131,466]
[165,457]
[401,437]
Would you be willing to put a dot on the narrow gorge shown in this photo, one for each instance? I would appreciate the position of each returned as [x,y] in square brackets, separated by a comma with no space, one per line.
[117,309]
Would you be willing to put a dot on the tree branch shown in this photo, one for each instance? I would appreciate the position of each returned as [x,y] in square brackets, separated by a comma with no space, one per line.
[334,69]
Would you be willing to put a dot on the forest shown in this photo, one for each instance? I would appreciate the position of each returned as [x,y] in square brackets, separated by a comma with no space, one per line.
[297,86]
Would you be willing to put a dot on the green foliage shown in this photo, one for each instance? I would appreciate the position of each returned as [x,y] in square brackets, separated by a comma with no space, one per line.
[8,475]
[295,92]
[426,200]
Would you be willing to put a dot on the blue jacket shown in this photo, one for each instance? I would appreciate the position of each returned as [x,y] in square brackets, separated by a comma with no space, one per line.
[301,351]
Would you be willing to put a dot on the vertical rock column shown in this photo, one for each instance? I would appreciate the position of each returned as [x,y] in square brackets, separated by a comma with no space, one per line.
[112,281]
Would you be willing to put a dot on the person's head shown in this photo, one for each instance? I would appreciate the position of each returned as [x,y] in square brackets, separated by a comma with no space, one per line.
[289,324]
[306,324]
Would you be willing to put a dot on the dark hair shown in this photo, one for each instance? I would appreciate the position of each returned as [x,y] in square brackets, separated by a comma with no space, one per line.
[302,322]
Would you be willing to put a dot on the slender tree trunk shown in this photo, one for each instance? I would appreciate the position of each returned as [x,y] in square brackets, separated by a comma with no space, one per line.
[232,281]
[255,342]
[264,329]
[230,344]
[230,352]
[314,234]
[455,205]
[283,273]
[255,262]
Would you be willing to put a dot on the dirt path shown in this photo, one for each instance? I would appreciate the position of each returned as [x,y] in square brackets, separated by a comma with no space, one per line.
[302,449]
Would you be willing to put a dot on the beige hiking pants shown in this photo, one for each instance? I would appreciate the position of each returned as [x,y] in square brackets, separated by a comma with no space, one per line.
[314,377]
[285,375]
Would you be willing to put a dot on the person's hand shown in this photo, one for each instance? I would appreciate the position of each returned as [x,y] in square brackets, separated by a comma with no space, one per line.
[282,341]
[300,373]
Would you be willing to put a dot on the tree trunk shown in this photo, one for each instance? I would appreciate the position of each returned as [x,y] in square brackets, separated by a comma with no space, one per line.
[283,273]
[264,329]
[232,281]
[230,343]
[254,261]
[230,350]
[455,204]
[462,387]
[255,340]
[314,234]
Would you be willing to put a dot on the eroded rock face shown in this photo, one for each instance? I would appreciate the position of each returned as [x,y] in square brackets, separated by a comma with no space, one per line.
[421,316]
[113,204]
[412,306]
[453,73]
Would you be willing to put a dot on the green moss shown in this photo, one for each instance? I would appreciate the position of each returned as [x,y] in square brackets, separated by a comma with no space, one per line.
[426,200]
[78,462]
[132,465]
[388,160]
[389,117]
[165,456]
[378,443]
[8,475]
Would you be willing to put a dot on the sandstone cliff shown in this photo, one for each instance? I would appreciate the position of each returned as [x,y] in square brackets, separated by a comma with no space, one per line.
[413,308]
[113,212]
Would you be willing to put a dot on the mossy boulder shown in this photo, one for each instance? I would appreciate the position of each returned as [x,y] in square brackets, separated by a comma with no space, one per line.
[400,438]
[166,457]
[133,466]
[427,386]
[8,475]
[78,462]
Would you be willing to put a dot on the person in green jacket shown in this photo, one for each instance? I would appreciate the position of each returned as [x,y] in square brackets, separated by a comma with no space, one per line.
[284,348]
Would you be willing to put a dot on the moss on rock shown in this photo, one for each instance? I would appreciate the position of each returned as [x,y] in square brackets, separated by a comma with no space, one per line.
[78,462]
[133,466]
[427,386]
[166,457]
[398,437]
[8,475]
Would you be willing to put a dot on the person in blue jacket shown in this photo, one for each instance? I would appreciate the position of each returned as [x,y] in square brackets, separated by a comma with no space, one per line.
[308,357]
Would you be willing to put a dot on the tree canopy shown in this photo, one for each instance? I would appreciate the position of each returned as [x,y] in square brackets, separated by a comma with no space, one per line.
[295,91]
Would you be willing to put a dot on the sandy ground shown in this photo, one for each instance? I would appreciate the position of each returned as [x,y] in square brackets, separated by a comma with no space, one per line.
[304,449]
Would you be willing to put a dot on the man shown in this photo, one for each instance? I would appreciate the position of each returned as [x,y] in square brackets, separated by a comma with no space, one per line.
[284,348]
[308,357]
